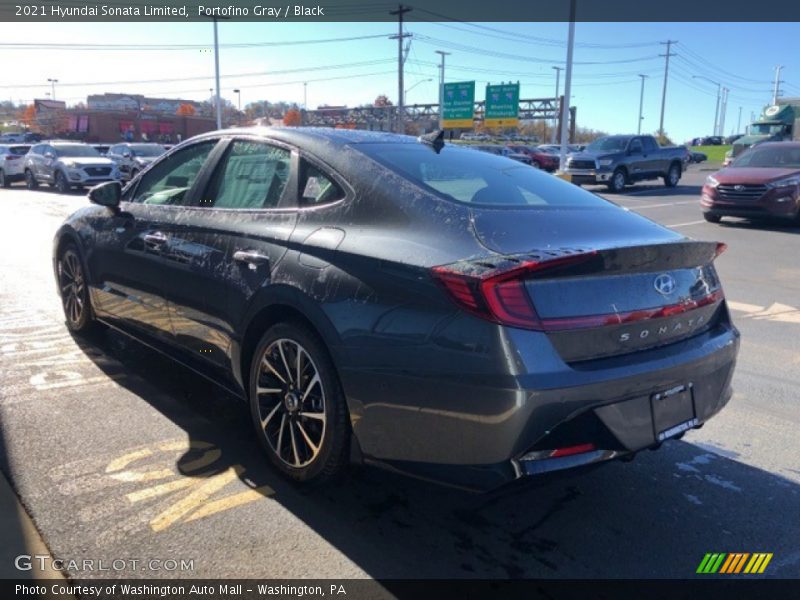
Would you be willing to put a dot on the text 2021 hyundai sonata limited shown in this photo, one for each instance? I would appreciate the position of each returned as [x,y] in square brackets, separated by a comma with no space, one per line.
[387,299]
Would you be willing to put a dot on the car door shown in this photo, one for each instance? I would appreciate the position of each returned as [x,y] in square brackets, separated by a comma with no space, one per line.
[133,255]
[654,162]
[637,162]
[240,230]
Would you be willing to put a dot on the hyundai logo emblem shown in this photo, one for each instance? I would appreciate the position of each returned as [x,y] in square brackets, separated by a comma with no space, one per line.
[664,284]
[738,188]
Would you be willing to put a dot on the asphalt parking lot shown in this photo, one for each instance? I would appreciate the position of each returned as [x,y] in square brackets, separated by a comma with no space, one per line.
[118,453]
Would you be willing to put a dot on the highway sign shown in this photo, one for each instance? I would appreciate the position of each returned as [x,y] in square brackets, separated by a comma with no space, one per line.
[502,105]
[458,104]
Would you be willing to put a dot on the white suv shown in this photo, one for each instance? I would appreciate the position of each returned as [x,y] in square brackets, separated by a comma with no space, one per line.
[67,165]
[12,159]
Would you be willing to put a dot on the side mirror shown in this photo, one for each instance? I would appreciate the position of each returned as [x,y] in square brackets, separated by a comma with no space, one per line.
[106,194]
[49,154]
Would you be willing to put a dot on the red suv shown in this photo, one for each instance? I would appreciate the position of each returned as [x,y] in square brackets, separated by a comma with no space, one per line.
[762,182]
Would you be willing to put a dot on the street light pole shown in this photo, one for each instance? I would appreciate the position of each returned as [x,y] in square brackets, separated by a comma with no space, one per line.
[558,75]
[216,76]
[723,111]
[562,159]
[664,90]
[441,53]
[305,95]
[641,104]
[739,122]
[53,83]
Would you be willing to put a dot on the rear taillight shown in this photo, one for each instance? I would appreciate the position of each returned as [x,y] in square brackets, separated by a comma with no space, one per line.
[500,294]
[12,157]
[721,247]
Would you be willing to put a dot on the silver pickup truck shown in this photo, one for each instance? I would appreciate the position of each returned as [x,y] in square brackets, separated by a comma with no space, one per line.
[620,160]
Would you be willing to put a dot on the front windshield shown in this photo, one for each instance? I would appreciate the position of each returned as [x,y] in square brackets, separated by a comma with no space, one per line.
[607,144]
[777,157]
[147,150]
[766,128]
[75,150]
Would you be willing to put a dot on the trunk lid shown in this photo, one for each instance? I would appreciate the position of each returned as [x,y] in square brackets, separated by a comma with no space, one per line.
[637,285]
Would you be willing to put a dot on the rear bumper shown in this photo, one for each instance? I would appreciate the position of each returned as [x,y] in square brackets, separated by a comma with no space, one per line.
[479,433]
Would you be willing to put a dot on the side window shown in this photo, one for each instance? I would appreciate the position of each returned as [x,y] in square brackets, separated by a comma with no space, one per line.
[316,187]
[170,180]
[636,146]
[254,175]
[649,144]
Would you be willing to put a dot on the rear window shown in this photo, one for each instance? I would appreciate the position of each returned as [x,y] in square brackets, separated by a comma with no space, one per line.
[19,150]
[479,178]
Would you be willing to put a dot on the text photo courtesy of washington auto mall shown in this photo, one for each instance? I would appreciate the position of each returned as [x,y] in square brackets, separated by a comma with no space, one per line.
[367,299]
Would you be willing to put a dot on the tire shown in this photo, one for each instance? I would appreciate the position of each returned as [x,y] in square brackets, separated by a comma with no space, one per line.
[61,185]
[30,180]
[673,176]
[292,416]
[74,291]
[5,183]
[617,182]
[712,218]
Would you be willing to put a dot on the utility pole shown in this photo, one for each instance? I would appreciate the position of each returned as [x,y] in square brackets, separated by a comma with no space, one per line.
[305,95]
[724,110]
[216,76]
[442,54]
[739,123]
[668,44]
[776,88]
[401,10]
[641,103]
[555,121]
[562,159]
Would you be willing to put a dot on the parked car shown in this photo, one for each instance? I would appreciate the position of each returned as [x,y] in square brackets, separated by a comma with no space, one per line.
[711,140]
[620,160]
[732,138]
[12,138]
[503,151]
[402,302]
[102,149]
[12,158]
[32,138]
[539,158]
[698,157]
[132,158]
[65,165]
[762,182]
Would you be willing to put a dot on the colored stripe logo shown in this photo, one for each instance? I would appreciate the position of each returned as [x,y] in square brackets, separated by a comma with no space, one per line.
[732,563]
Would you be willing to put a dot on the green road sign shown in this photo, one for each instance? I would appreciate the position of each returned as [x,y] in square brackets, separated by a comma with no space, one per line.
[502,105]
[458,104]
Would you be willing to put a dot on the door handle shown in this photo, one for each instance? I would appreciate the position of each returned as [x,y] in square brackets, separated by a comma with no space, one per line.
[250,257]
[157,238]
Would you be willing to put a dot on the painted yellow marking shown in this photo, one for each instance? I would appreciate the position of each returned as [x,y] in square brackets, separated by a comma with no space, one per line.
[753,560]
[231,501]
[125,460]
[143,476]
[161,489]
[195,499]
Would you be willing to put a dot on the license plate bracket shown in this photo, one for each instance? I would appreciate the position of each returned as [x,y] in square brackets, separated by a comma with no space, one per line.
[673,411]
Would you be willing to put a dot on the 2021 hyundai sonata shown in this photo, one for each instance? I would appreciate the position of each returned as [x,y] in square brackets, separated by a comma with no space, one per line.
[398,301]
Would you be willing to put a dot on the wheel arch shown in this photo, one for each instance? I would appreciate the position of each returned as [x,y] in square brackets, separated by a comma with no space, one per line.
[277,304]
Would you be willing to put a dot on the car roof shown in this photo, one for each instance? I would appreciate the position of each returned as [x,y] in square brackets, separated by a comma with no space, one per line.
[299,135]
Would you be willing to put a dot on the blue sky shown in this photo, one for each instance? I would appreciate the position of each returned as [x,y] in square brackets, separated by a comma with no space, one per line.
[741,56]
